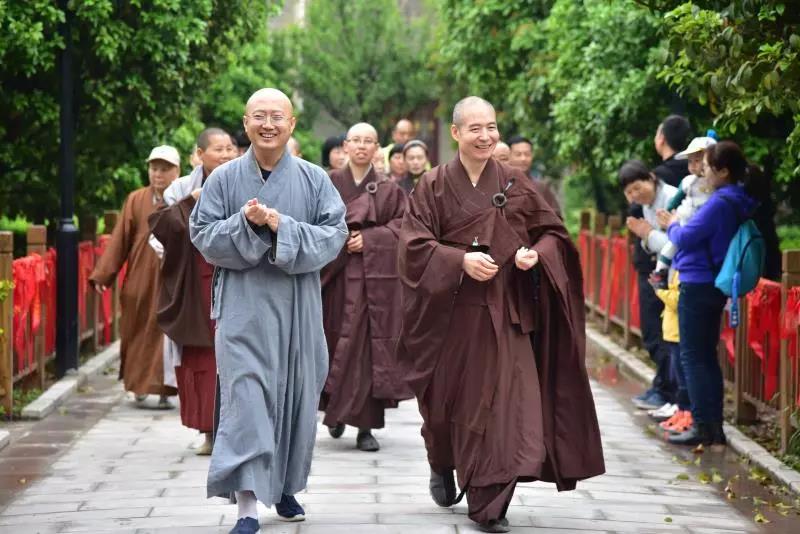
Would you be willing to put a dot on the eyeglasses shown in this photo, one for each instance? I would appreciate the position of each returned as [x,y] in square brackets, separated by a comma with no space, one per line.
[260,118]
[359,141]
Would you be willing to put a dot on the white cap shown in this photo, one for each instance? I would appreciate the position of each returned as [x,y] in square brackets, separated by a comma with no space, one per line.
[167,153]
[698,144]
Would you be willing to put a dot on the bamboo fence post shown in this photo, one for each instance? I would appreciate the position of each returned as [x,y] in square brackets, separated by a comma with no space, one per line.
[6,321]
[790,278]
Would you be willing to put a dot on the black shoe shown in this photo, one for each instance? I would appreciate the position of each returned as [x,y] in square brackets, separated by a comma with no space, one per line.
[705,434]
[443,488]
[289,509]
[246,525]
[337,431]
[494,525]
[366,442]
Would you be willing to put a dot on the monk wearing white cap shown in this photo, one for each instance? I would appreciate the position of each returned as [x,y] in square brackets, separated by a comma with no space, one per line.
[141,359]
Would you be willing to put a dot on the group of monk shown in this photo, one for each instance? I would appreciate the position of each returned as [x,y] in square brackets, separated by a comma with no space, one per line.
[262,288]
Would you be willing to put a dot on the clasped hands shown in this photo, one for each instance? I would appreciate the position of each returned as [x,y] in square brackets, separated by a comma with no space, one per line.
[665,218]
[260,215]
[355,243]
[482,267]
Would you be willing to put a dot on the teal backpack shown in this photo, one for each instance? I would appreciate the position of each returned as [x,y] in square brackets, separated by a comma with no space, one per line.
[743,264]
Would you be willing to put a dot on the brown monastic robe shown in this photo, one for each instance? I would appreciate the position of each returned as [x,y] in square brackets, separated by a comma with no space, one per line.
[361,307]
[184,308]
[497,366]
[141,365]
[547,194]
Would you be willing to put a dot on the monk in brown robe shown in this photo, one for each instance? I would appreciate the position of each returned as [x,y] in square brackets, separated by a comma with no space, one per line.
[184,304]
[141,360]
[493,329]
[361,298]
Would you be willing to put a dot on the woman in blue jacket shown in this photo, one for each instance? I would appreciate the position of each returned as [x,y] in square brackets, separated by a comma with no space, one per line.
[702,244]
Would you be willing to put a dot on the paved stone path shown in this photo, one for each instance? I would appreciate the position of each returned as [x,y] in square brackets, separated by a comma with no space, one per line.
[135,471]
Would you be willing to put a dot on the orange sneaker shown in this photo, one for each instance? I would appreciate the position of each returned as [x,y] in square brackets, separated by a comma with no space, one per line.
[682,424]
[667,425]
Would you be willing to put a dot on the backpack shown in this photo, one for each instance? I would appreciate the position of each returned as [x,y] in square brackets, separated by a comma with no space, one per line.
[743,264]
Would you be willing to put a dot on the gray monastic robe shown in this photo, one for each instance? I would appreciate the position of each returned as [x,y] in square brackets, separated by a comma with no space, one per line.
[272,358]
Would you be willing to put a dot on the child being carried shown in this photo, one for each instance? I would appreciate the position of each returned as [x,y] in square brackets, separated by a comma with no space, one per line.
[693,192]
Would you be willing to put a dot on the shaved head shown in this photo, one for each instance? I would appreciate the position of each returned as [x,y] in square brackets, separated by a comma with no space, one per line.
[502,152]
[269,95]
[362,128]
[403,131]
[465,105]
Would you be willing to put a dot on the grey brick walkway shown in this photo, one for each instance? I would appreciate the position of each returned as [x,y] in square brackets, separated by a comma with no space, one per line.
[135,471]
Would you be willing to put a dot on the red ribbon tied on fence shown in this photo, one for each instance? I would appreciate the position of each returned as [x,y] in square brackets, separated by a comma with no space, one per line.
[764,306]
[28,274]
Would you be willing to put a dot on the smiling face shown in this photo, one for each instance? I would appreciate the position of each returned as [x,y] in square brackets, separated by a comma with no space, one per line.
[522,156]
[641,192]
[476,133]
[269,120]
[502,152]
[220,149]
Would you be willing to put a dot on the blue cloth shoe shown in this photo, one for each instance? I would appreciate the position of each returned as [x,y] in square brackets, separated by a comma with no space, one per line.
[654,401]
[643,396]
[246,525]
[289,509]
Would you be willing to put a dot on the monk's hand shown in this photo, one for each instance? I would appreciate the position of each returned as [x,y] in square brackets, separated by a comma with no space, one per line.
[256,213]
[355,243]
[273,219]
[100,288]
[479,266]
[196,193]
[526,258]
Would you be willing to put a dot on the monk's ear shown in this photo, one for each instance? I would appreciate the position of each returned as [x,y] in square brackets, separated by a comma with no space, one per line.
[292,124]
[454,132]
[244,122]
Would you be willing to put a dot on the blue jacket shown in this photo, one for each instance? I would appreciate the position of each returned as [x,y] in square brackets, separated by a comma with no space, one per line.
[707,235]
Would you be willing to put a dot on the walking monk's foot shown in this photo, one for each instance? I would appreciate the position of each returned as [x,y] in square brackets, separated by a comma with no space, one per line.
[246,525]
[207,447]
[337,431]
[443,488]
[495,525]
[140,398]
[289,509]
[366,441]
[164,404]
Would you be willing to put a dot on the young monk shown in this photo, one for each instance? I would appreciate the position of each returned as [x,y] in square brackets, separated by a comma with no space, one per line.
[493,329]
[268,222]
[361,298]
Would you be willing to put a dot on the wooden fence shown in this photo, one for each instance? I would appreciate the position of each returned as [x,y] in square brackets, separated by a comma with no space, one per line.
[28,306]
[759,358]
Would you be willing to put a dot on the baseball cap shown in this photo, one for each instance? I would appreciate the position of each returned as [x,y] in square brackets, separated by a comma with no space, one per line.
[167,153]
[698,144]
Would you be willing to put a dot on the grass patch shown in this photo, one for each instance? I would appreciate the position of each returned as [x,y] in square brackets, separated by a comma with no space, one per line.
[21,399]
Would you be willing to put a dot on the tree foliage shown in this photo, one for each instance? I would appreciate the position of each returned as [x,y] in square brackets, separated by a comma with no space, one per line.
[141,67]
[360,61]
[741,59]
[577,77]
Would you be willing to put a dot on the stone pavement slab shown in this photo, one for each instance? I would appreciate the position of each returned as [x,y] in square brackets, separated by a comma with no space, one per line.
[135,471]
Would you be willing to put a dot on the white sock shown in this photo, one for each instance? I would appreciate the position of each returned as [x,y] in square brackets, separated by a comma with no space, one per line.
[661,266]
[248,504]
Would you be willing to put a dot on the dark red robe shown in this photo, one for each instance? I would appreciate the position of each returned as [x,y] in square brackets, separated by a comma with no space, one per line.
[361,307]
[498,366]
[184,310]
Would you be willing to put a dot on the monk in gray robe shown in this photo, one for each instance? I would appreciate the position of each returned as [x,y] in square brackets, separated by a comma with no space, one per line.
[268,222]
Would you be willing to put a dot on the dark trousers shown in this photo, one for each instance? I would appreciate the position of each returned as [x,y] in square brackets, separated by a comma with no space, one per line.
[678,377]
[699,312]
[650,309]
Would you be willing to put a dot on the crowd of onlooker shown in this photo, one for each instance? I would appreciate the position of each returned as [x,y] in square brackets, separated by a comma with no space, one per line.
[686,212]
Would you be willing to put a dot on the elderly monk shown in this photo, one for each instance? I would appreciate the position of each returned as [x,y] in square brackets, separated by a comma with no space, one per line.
[184,303]
[402,133]
[141,359]
[493,329]
[268,222]
[502,152]
[361,298]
